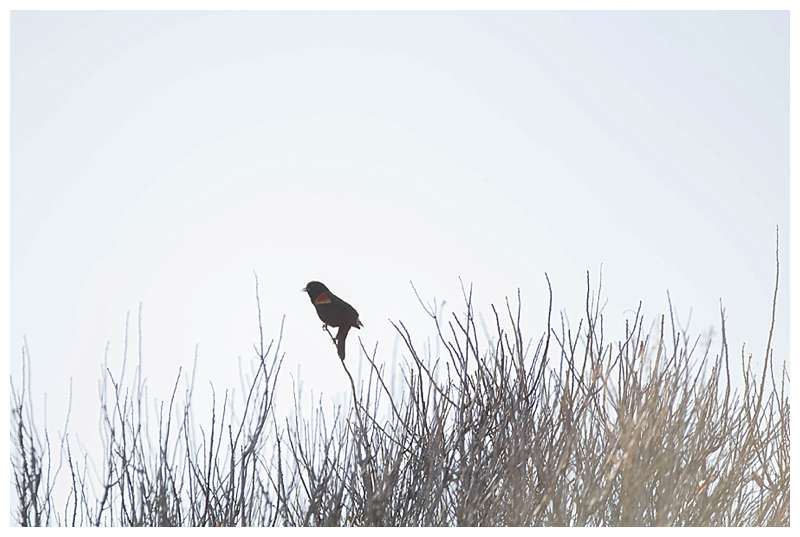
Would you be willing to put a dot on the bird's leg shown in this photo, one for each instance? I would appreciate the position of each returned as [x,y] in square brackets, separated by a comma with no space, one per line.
[333,338]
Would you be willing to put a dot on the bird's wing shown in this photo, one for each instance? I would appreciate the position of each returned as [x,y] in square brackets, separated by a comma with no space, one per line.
[323,298]
[354,316]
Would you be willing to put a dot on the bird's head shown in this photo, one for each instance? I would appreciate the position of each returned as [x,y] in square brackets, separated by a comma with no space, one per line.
[314,289]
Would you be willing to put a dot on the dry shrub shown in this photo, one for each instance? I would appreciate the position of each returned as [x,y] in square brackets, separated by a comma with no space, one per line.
[656,428]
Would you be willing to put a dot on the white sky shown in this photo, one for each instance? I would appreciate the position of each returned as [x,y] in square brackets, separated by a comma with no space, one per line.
[163,158]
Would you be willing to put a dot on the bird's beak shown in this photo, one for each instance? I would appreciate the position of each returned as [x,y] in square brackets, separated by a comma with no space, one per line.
[303,290]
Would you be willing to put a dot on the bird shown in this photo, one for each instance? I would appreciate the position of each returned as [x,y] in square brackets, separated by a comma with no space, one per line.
[333,311]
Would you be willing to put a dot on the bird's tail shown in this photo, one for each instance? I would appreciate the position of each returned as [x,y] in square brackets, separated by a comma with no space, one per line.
[340,337]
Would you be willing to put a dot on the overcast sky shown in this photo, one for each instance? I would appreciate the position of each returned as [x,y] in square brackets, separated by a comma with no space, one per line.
[165,158]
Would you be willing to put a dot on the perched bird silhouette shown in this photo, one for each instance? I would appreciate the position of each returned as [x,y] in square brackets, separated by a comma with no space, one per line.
[333,311]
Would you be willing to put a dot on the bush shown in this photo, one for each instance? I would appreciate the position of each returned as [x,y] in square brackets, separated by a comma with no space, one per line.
[653,429]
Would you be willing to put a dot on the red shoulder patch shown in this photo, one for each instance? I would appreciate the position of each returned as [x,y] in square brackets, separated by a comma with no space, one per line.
[322,298]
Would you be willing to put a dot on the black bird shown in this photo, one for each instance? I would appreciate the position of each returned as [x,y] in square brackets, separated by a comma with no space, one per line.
[333,311]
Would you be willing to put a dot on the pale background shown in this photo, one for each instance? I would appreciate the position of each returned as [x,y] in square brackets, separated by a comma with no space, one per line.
[164,158]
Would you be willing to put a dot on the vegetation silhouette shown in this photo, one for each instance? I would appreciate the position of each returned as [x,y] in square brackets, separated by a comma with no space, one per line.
[492,430]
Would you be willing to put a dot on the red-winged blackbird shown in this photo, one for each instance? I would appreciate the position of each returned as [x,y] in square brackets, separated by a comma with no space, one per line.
[333,311]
